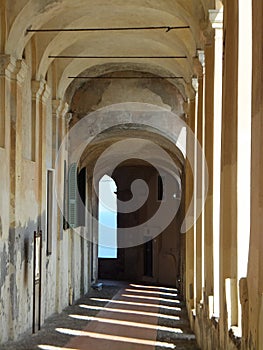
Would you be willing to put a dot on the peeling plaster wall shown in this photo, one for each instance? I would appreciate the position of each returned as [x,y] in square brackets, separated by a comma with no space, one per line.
[94,95]
[23,203]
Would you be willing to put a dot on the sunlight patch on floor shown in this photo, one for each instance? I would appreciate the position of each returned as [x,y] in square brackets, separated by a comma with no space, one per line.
[115,338]
[150,292]
[127,323]
[172,308]
[50,347]
[151,298]
[134,312]
[153,287]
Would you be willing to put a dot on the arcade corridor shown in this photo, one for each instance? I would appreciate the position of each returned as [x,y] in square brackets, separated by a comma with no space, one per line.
[163,99]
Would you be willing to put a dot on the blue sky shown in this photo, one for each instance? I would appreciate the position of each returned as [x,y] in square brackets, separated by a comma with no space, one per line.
[107,218]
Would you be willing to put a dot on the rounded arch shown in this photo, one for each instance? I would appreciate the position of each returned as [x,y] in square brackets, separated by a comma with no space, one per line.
[83,132]
[133,131]
[67,87]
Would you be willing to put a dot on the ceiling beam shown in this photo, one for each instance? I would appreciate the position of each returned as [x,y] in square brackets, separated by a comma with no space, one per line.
[166,28]
[128,77]
[118,57]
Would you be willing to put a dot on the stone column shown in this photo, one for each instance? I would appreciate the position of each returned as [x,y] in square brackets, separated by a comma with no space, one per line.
[62,130]
[189,188]
[37,88]
[9,83]
[255,268]
[42,169]
[15,157]
[95,231]
[199,179]
[208,151]
[8,71]
[56,105]
[89,222]
[228,198]
[60,156]
[42,165]
[7,67]
[17,78]
[59,110]
[213,156]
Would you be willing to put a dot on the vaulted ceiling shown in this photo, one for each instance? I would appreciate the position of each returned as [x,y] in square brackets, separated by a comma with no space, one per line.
[20,15]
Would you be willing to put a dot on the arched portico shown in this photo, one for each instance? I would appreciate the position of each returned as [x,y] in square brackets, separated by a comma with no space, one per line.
[89,88]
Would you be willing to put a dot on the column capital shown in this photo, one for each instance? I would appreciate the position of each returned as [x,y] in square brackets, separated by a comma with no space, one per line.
[207,32]
[195,84]
[21,71]
[46,93]
[199,63]
[59,108]
[56,107]
[216,18]
[201,57]
[68,117]
[7,65]
[13,68]
[64,110]
[37,88]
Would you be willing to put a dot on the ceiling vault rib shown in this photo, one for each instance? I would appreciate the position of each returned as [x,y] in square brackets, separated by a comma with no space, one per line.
[166,28]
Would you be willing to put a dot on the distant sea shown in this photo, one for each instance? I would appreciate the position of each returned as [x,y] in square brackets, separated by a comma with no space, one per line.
[107,219]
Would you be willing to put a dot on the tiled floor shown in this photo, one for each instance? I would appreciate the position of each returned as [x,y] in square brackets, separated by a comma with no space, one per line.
[119,317]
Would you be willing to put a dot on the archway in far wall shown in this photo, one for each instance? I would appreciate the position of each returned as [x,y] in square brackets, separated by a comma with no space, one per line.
[107,219]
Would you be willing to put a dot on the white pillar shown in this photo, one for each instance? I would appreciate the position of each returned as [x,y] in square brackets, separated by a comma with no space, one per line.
[216,18]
